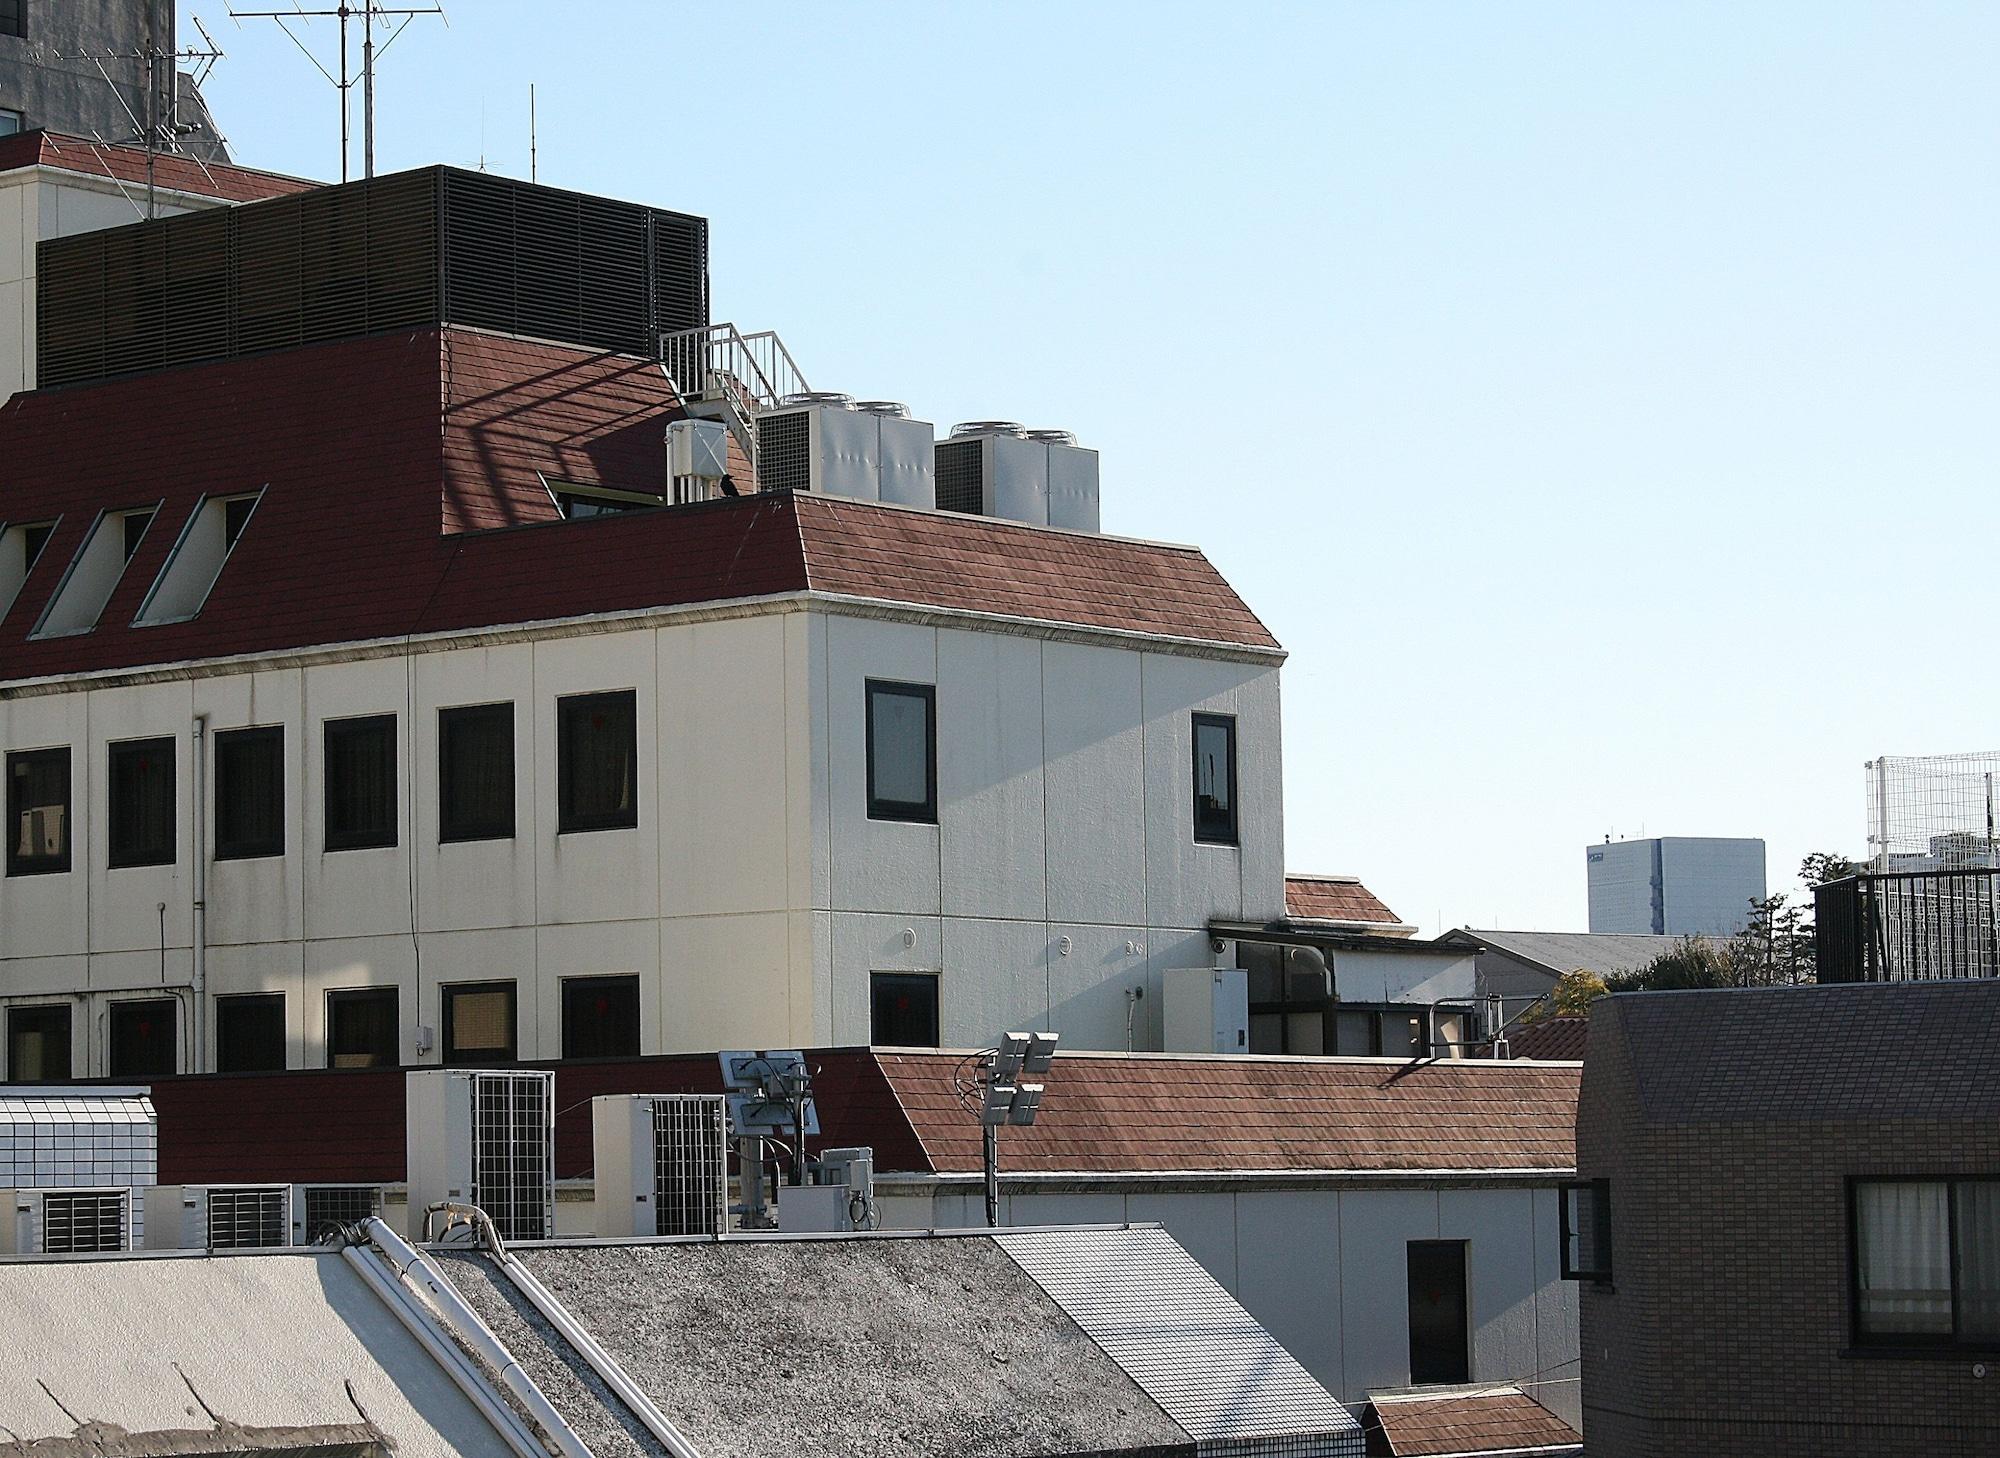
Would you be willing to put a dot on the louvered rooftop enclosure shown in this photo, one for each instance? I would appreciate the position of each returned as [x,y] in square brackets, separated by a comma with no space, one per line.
[408,251]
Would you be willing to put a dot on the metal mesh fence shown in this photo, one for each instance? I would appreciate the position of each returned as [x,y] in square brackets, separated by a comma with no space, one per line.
[1937,812]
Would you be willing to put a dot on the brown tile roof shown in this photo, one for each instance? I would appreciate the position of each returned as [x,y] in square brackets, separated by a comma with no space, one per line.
[1335,898]
[128,165]
[1158,1114]
[1556,1037]
[1457,1425]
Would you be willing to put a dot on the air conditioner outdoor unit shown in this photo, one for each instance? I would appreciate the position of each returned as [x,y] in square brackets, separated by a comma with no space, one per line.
[321,1211]
[872,451]
[487,1139]
[65,1222]
[841,1197]
[218,1217]
[662,1163]
[996,468]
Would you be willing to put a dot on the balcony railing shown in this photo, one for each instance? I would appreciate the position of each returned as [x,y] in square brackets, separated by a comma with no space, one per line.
[1909,926]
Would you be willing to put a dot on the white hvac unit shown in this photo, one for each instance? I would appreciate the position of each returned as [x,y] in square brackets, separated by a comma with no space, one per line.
[320,1212]
[218,1217]
[997,468]
[827,443]
[840,1199]
[486,1139]
[662,1164]
[65,1222]
[1206,1009]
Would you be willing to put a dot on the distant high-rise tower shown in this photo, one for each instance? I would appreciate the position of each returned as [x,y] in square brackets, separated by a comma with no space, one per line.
[1675,885]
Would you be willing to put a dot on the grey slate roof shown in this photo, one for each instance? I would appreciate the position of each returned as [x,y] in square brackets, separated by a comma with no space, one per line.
[1604,953]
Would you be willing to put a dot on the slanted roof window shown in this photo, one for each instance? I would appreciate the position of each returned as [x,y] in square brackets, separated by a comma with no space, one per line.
[93,575]
[20,548]
[577,502]
[197,560]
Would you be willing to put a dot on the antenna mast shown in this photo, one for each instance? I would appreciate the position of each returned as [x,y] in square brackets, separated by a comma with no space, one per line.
[159,129]
[343,84]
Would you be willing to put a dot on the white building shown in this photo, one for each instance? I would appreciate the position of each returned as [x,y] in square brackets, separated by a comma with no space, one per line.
[1674,885]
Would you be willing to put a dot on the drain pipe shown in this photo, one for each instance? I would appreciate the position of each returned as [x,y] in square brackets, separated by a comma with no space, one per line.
[558,1316]
[198,1019]
[412,1267]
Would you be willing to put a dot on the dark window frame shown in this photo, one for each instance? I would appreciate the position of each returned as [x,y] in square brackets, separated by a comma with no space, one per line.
[235,1002]
[570,820]
[243,848]
[119,854]
[68,1013]
[1912,1343]
[128,1007]
[908,812]
[454,829]
[879,981]
[36,865]
[383,835]
[448,994]
[579,987]
[353,996]
[1460,1373]
[1572,1237]
[14,19]
[1233,833]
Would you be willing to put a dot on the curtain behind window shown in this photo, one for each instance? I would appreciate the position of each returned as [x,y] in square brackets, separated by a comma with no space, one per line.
[1979,1259]
[1904,1236]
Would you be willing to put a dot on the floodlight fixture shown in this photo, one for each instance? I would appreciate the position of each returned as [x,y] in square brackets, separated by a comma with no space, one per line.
[1009,1057]
[1041,1052]
[998,1106]
[1026,1102]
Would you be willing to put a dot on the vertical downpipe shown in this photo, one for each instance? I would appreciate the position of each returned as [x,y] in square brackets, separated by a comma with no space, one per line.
[198,1055]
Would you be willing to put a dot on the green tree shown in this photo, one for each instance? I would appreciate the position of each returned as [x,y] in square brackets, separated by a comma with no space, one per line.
[1689,962]
[1573,993]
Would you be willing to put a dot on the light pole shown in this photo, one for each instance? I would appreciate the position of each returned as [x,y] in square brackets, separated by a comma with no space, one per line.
[1005,1097]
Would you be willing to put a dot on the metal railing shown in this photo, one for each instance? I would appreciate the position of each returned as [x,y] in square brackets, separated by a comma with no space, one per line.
[742,374]
[1908,926]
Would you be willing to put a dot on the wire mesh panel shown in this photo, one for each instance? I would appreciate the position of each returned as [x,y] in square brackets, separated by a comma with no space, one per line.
[242,1219]
[960,476]
[690,1164]
[514,1151]
[79,1222]
[330,1208]
[784,451]
[1936,812]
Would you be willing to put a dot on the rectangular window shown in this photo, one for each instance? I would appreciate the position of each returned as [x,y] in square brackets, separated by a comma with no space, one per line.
[10,121]
[476,772]
[141,832]
[600,1017]
[144,1038]
[249,793]
[13,21]
[1927,1262]
[250,1033]
[478,1024]
[361,782]
[38,1044]
[1215,779]
[1586,1230]
[1440,1337]
[903,1009]
[597,762]
[361,1028]
[902,752]
[38,812]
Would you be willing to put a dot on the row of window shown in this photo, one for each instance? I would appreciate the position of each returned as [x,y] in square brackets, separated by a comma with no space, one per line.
[597,780]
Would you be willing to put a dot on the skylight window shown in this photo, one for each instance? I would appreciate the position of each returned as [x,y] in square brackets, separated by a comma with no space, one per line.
[577,502]
[20,548]
[197,559]
[92,576]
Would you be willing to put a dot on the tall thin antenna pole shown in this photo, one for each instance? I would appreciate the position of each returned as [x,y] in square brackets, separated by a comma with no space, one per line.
[345,84]
[531,133]
[152,107]
[368,88]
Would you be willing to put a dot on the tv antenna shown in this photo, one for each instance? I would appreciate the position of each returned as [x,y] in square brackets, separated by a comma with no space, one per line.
[368,11]
[159,129]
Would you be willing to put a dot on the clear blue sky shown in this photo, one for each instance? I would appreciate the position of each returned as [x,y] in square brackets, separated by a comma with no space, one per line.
[1598,399]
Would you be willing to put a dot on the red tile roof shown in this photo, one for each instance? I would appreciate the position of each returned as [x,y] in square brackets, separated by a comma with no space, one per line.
[1335,898]
[1458,1425]
[377,454]
[128,165]
[1555,1037]
[1163,1114]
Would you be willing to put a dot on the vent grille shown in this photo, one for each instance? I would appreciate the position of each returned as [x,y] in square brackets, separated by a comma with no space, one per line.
[330,1208]
[77,1223]
[513,1155]
[690,1164]
[240,1219]
[961,471]
[784,451]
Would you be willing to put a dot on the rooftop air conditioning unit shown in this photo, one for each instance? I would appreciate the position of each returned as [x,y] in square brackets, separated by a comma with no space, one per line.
[662,1164]
[486,1139]
[827,443]
[218,1217]
[319,1212]
[996,468]
[840,1199]
[65,1222]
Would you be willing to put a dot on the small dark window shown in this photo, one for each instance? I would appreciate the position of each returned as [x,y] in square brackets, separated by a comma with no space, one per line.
[236,516]
[902,752]
[361,782]
[33,538]
[597,762]
[38,812]
[478,1024]
[10,121]
[600,1017]
[1926,1262]
[250,1033]
[13,21]
[249,793]
[580,503]
[141,832]
[476,772]
[361,1028]
[1440,1340]
[1215,779]
[143,1038]
[135,523]
[1586,1230]
[903,1010]
[38,1044]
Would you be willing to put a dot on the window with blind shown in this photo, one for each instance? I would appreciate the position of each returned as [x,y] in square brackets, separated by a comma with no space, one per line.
[249,793]
[1926,1262]
[597,762]
[361,782]
[38,1044]
[38,812]
[600,1017]
[361,1028]
[478,1024]
[141,804]
[902,752]
[476,772]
